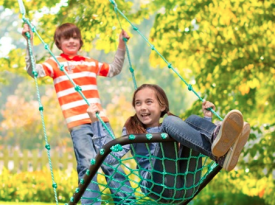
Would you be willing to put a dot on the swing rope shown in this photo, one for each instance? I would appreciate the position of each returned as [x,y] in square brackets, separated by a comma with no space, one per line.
[47,146]
[140,191]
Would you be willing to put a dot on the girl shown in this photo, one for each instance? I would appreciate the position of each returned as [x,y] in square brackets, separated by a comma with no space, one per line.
[222,143]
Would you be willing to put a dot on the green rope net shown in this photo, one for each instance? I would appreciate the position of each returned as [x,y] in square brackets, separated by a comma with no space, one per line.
[175,175]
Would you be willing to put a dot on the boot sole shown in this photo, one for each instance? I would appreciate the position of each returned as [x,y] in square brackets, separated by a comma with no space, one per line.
[230,130]
[233,154]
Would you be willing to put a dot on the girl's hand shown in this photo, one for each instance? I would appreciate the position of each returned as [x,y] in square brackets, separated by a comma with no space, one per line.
[205,105]
[121,43]
[92,110]
[26,29]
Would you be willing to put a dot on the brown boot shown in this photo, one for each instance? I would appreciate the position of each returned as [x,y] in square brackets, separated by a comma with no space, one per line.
[230,160]
[225,135]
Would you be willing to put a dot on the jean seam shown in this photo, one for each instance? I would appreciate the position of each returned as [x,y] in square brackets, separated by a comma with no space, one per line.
[167,126]
[199,127]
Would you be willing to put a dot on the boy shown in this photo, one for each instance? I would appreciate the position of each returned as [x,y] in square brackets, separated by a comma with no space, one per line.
[83,71]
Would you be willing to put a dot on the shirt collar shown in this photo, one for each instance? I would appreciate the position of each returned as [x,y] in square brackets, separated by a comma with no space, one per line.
[75,58]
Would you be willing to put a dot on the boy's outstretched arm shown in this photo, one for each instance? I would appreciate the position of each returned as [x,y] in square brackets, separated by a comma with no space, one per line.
[121,43]
[39,68]
[117,64]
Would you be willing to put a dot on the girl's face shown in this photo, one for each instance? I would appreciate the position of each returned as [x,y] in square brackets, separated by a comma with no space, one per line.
[70,46]
[147,107]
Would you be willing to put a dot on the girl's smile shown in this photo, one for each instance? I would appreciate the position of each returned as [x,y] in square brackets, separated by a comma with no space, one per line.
[147,107]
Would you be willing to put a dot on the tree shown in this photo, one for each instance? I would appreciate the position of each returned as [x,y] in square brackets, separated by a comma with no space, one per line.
[228,46]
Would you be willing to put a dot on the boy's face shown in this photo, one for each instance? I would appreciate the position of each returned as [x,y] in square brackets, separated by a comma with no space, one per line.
[70,46]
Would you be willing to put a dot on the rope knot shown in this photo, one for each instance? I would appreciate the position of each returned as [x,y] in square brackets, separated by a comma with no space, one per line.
[78,88]
[72,199]
[35,74]
[149,136]
[169,65]
[102,151]
[190,87]
[116,148]
[62,67]
[47,146]
[163,135]
[54,185]
[92,161]
[46,46]
[131,69]
[135,28]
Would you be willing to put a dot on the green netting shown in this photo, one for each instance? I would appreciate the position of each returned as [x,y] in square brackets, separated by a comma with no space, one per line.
[174,176]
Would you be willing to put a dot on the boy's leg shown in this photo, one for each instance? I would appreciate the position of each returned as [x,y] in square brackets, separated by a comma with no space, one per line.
[84,152]
[116,178]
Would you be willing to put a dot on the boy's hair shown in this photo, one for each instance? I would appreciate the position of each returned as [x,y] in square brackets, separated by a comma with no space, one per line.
[67,30]
[133,125]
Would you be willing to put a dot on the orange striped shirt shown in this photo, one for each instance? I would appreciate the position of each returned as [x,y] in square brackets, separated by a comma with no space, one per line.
[83,73]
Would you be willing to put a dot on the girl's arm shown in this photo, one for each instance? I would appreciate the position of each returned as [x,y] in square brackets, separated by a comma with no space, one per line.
[205,106]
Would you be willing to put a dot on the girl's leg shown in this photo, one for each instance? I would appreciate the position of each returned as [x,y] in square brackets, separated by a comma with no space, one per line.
[197,139]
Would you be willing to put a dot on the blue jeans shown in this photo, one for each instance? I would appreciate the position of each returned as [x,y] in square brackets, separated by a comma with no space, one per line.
[183,176]
[86,146]
[195,132]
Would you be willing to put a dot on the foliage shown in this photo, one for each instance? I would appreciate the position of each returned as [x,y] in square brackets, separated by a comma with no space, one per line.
[36,186]
[236,187]
[228,47]
[28,133]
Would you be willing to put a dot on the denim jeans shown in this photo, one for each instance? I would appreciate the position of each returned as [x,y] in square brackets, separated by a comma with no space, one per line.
[86,146]
[195,132]
[194,135]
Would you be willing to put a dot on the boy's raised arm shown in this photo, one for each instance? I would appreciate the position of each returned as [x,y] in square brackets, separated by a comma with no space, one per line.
[39,68]
[117,64]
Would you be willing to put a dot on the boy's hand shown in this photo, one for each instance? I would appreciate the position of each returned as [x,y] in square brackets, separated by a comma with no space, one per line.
[26,29]
[205,105]
[92,110]
[121,43]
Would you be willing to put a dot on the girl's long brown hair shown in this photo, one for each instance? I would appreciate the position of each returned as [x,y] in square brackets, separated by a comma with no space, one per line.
[133,125]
